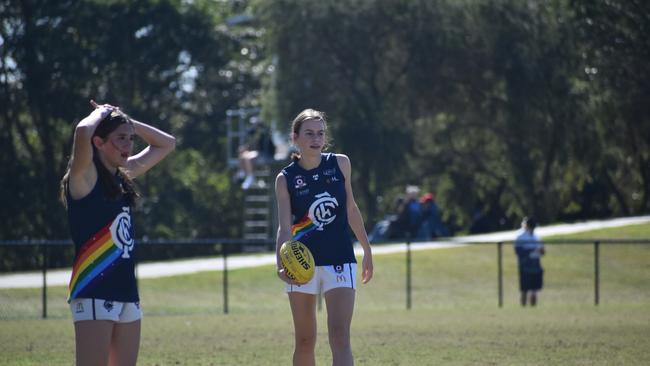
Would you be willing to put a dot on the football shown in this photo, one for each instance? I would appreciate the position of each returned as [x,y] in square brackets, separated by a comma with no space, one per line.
[297,261]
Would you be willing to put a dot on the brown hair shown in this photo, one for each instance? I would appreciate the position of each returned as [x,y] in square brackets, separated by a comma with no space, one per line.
[530,222]
[113,189]
[303,116]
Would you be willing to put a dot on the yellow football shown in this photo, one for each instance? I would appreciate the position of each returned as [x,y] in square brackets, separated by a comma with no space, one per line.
[297,261]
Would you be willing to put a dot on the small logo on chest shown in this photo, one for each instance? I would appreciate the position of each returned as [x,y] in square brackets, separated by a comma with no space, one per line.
[299,182]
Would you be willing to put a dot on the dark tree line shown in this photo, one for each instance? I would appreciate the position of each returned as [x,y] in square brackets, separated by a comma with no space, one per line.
[503,108]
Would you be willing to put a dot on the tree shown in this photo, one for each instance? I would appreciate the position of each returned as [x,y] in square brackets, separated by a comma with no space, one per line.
[616,77]
[165,62]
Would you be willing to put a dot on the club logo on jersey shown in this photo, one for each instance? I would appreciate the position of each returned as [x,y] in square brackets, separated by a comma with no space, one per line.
[322,211]
[121,232]
[299,182]
[315,176]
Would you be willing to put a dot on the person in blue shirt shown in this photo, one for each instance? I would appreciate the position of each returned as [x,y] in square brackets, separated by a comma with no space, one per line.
[432,226]
[99,194]
[529,250]
[316,206]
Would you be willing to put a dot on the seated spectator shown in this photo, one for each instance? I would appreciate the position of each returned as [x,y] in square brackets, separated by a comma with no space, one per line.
[409,215]
[432,226]
[259,147]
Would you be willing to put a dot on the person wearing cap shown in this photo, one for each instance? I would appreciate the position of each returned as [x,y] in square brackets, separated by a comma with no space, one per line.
[432,225]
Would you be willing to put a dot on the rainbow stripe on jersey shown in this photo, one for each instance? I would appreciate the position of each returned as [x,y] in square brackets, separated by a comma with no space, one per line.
[303,227]
[95,256]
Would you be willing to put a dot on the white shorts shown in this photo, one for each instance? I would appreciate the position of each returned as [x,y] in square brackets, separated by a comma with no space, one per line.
[327,278]
[99,309]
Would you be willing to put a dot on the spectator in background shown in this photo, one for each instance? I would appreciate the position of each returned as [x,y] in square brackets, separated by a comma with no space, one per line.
[259,147]
[389,227]
[432,226]
[410,213]
[529,250]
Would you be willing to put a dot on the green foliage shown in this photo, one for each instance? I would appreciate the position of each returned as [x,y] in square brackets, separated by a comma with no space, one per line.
[615,73]
[503,108]
[483,102]
[168,63]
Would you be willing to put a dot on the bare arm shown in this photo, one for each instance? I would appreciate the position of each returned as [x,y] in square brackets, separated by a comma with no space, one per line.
[284,220]
[355,219]
[160,144]
[83,175]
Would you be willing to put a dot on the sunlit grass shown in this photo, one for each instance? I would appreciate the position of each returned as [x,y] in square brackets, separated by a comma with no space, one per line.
[454,319]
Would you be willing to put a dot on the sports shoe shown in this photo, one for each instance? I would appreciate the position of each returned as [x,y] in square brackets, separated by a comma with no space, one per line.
[248,182]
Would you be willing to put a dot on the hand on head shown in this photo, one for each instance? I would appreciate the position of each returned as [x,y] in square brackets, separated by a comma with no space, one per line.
[103,109]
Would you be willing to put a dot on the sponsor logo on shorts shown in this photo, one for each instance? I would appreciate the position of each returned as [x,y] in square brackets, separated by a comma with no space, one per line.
[137,304]
[108,305]
[340,277]
[79,308]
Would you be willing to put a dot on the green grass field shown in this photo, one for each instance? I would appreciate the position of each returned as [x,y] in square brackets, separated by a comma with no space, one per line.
[454,320]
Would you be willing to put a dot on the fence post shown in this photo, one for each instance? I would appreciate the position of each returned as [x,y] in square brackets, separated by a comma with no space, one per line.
[596,272]
[44,292]
[224,250]
[408,272]
[500,272]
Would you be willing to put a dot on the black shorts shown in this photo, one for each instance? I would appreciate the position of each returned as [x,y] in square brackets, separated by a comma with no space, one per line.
[531,281]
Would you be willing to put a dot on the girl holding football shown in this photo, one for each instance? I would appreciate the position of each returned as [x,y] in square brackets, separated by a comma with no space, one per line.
[316,206]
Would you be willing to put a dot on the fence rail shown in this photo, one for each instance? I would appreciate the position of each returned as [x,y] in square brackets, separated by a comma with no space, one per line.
[229,246]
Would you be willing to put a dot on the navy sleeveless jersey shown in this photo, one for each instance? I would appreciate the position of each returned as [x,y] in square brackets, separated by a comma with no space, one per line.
[318,206]
[102,232]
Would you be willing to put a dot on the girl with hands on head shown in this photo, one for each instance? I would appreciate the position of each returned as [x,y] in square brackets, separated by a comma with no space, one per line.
[99,193]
